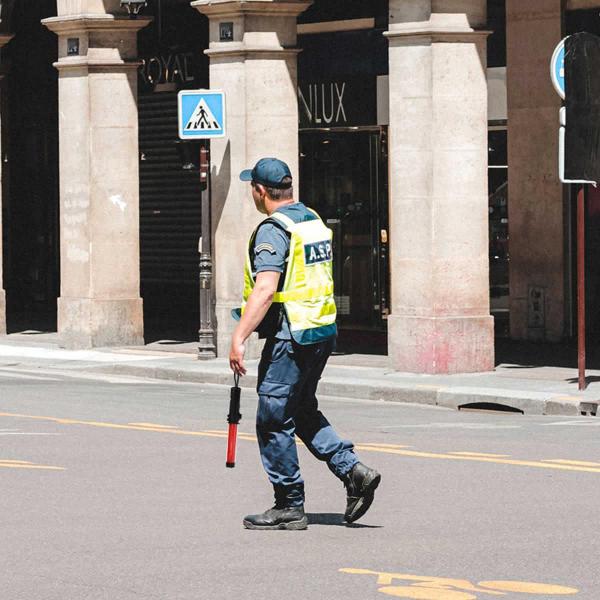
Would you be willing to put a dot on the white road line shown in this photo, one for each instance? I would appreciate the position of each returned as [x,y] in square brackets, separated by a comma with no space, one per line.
[592,422]
[26,433]
[107,378]
[76,355]
[5,374]
[451,426]
[60,375]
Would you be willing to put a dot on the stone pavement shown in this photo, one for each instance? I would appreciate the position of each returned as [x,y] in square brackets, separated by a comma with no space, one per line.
[531,389]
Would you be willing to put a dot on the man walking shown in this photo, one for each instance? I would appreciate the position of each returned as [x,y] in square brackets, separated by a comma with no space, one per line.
[288,299]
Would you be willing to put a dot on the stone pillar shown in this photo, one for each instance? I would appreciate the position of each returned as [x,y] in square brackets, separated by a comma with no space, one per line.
[257,70]
[440,321]
[4,39]
[536,210]
[100,302]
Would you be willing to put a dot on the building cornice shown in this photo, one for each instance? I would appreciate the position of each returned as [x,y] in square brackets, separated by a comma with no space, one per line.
[82,63]
[92,22]
[252,51]
[336,26]
[435,34]
[259,8]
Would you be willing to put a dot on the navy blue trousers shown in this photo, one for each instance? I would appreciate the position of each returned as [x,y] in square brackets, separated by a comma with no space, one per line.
[288,375]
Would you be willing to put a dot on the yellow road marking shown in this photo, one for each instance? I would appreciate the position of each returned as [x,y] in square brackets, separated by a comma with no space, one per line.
[62,421]
[525,587]
[499,461]
[241,434]
[483,454]
[426,587]
[579,463]
[365,447]
[17,464]
[383,445]
[154,425]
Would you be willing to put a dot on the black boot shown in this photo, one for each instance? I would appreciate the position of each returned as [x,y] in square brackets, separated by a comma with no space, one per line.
[292,518]
[361,484]
[288,512]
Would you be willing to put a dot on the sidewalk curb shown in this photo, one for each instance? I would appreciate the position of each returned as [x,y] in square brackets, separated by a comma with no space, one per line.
[530,403]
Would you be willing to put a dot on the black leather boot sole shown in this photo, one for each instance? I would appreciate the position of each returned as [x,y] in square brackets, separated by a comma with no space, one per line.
[291,518]
[290,526]
[365,497]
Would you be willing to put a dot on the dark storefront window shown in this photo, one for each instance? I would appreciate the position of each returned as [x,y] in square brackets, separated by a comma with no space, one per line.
[172,54]
[496,47]
[498,176]
[172,48]
[30,169]
[334,10]
[589,21]
[343,165]
[344,177]
[349,53]
[582,20]
[498,228]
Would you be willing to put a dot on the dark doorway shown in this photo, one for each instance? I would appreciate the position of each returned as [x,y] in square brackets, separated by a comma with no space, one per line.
[30,170]
[172,53]
[344,178]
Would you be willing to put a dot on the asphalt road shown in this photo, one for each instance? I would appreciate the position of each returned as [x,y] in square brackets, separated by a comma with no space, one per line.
[115,488]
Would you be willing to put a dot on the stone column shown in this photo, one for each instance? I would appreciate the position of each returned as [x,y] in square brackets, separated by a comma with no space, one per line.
[4,39]
[257,70]
[536,210]
[440,321]
[100,302]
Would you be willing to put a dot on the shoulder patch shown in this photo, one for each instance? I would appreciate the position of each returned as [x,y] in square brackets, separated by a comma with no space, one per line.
[264,246]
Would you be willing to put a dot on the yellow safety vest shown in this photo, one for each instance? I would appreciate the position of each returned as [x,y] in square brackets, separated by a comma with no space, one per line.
[307,293]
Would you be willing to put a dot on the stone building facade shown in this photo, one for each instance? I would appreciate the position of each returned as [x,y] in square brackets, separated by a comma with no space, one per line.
[383,112]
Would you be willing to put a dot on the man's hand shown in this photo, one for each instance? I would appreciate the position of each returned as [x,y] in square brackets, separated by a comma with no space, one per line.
[256,308]
[236,357]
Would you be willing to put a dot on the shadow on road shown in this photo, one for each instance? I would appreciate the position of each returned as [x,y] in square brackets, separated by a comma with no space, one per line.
[336,519]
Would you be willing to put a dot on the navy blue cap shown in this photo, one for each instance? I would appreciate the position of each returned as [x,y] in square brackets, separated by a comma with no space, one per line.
[269,172]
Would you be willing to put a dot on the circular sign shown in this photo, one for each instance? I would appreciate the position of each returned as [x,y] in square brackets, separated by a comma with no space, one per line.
[557,69]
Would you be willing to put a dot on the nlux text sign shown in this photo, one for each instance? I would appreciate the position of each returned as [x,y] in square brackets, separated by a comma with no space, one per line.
[340,103]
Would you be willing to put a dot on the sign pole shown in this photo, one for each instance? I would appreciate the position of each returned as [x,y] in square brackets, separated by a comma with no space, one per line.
[581,286]
[206,334]
[201,116]
[575,58]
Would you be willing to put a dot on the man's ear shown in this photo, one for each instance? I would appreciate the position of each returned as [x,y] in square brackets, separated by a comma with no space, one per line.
[262,191]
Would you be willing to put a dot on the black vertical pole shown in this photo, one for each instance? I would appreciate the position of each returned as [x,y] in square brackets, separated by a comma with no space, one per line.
[206,335]
[581,286]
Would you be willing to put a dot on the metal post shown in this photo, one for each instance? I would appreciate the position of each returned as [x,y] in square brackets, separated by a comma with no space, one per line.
[581,286]
[206,335]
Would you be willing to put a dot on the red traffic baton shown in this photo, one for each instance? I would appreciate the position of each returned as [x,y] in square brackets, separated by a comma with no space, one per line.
[233,418]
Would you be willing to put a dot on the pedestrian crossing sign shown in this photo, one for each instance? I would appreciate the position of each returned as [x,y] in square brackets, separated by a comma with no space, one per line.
[201,114]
